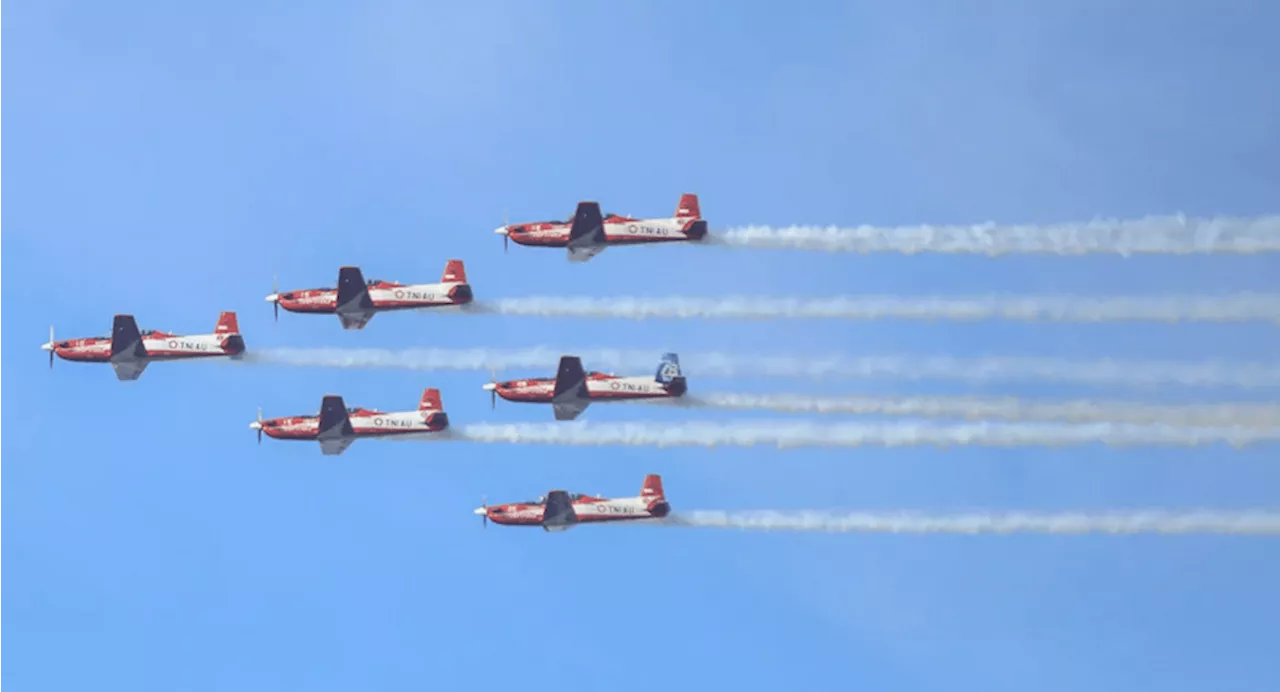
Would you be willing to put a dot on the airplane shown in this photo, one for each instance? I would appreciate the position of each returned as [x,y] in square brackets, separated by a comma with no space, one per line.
[573,389]
[337,425]
[355,301]
[130,351]
[560,511]
[588,233]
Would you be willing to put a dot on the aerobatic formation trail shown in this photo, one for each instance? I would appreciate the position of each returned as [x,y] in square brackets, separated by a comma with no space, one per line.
[789,434]
[1248,307]
[998,408]
[1112,522]
[1135,373]
[1162,235]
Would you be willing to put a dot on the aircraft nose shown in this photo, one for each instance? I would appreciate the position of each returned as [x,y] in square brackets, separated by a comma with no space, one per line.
[501,230]
[273,298]
[492,386]
[481,511]
[46,346]
[255,425]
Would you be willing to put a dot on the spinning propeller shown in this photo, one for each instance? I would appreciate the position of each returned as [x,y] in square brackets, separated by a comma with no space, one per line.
[274,298]
[484,510]
[493,388]
[257,425]
[49,347]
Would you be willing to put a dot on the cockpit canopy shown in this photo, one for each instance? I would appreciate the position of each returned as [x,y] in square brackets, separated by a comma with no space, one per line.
[147,332]
[542,499]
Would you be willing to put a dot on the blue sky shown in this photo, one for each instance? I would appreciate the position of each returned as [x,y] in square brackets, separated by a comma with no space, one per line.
[167,160]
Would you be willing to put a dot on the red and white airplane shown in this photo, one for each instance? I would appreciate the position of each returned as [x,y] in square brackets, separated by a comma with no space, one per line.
[560,511]
[337,426]
[130,351]
[573,389]
[588,233]
[355,301]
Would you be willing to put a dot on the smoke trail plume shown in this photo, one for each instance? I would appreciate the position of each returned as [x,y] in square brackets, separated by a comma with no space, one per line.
[1119,522]
[1153,235]
[996,408]
[791,434]
[1145,373]
[1246,307]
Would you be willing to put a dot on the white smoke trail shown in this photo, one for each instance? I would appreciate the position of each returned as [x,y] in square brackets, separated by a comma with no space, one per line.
[1163,235]
[791,434]
[1118,522]
[996,408]
[826,366]
[1247,307]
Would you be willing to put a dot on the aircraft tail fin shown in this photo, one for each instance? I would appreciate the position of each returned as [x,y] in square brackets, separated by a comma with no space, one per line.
[668,368]
[454,272]
[688,207]
[227,324]
[652,487]
[430,400]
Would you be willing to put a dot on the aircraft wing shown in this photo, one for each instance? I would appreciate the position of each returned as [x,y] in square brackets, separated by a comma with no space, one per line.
[355,320]
[558,511]
[570,397]
[335,446]
[355,307]
[586,234]
[126,340]
[336,433]
[128,369]
[569,410]
[128,354]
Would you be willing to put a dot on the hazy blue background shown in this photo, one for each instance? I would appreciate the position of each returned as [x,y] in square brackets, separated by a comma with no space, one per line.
[167,160]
